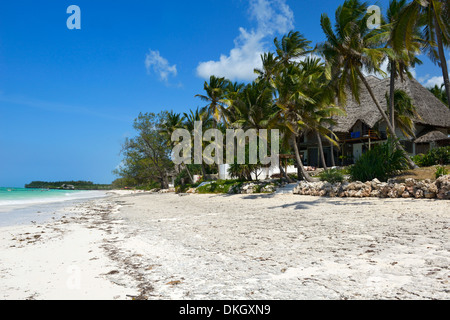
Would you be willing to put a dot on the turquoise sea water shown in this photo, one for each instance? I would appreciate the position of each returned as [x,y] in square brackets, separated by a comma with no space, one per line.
[20,205]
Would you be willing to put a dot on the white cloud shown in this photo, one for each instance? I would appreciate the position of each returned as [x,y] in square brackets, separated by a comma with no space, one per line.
[272,17]
[154,61]
[431,82]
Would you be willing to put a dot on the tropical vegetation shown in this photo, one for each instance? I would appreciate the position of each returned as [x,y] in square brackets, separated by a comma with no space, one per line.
[299,90]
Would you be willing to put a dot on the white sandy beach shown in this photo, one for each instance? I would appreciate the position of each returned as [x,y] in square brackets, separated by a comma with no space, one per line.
[167,246]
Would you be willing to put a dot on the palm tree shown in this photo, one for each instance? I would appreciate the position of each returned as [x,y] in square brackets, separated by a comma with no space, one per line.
[252,108]
[292,46]
[269,67]
[291,88]
[433,17]
[405,112]
[402,59]
[352,47]
[199,115]
[316,116]
[172,122]
[291,84]
[439,92]
[215,93]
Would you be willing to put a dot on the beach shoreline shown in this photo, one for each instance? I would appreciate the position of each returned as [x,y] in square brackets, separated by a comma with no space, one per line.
[269,247]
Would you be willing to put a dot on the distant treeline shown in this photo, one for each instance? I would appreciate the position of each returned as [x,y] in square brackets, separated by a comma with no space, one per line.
[78,185]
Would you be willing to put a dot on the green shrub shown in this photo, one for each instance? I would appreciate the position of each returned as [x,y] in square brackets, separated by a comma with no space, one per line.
[381,162]
[440,171]
[219,186]
[332,175]
[433,157]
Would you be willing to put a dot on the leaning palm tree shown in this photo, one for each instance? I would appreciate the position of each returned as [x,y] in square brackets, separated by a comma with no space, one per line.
[291,87]
[316,117]
[433,17]
[352,47]
[291,84]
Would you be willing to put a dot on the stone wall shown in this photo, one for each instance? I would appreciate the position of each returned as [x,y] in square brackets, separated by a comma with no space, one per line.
[411,188]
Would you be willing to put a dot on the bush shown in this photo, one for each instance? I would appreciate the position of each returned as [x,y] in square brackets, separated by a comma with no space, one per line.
[332,175]
[381,162]
[433,157]
[219,186]
[440,171]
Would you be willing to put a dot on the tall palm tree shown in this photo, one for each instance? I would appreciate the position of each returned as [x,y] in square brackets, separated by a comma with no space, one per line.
[290,83]
[353,47]
[405,112]
[269,67]
[252,108]
[433,17]
[316,116]
[292,46]
[197,115]
[402,59]
[215,92]
[172,122]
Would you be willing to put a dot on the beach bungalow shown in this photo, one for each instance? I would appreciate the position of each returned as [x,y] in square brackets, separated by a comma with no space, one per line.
[363,125]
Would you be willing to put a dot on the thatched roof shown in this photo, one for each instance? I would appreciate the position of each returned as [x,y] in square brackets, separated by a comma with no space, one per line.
[432,136]
[430,109]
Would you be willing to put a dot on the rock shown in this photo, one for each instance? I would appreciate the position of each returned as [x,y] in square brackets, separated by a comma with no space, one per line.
[418,194]
[410,182]
[405,194]
[375,182]
[191,190]
[375,193]
[400,188]
[429,195]
[392,193]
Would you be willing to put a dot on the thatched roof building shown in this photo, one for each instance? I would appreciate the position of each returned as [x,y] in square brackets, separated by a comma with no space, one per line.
[431,110]
[433,136]
[363,124]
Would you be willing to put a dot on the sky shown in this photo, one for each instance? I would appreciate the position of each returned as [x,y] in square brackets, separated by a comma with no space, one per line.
[68,96]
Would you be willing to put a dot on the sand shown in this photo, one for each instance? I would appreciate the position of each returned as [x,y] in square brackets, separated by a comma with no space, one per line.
[283,247]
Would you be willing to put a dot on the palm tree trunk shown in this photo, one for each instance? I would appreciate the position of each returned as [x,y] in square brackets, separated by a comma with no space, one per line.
[322,155]
[411,163]
[203,171]
[442,59]
[391,94]
[284,174]
[333,163]
[189,173]
[299,170]
[305,174]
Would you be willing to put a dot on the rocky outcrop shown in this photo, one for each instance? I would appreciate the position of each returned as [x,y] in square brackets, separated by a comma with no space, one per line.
[411,188]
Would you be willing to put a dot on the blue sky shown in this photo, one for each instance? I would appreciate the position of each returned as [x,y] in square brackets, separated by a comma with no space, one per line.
[68,97]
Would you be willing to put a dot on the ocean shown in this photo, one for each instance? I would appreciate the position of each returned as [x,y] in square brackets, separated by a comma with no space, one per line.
[23,206]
